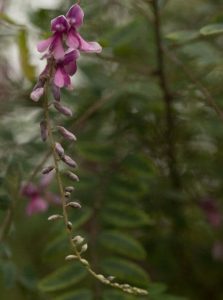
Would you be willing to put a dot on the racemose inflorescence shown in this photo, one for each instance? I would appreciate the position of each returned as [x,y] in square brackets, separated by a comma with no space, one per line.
[61,51]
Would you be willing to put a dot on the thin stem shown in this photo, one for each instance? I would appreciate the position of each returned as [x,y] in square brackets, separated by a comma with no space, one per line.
[167,97]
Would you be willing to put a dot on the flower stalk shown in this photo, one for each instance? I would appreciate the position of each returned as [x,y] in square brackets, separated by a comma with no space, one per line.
[61,64]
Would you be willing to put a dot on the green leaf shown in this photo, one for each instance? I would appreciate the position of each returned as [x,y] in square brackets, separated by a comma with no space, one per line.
[125,271]
[123,215]
[122,244]
[8,273]
[83,294]
[212,29]
[28,69]
[63,278]
[183,35]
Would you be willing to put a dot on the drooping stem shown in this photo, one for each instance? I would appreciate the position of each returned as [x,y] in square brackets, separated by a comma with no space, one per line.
[77,254]
[167,97]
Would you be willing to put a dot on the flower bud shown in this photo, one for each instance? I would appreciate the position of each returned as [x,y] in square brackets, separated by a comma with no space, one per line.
[59,150]
[66,133]
[84,262]
[55,217]
[56,92]
[67,194]
[78,240]
[37,94]
[74,204]
[69,161]
[84,248]
[73,176]
[63,109]
[47,170]
[44,130]
[69,225]
[111,278]
[69,189]
[70,257]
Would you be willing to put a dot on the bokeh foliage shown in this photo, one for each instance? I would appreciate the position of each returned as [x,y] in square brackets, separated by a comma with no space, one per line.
[143,226]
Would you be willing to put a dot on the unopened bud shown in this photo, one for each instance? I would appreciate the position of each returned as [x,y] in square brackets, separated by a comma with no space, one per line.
[59,149]
[66,133]
[47,170]
[44,130]
[100,276]
[78,240]
[69,225]
[111,278]
[63,109]
[56,92]
[84,262]
[69,189]
[55,217]
[70,257]
[37,94]
[74,204]
[67,194]
[73,176]
[84,248]
[69,161]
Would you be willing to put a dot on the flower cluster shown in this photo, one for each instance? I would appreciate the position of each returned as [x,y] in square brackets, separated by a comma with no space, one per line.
[62,50]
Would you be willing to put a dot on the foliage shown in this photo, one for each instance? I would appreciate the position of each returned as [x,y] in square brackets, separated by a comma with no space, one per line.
[141,188]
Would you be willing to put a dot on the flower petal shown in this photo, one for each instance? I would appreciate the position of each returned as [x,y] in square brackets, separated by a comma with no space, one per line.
[88,46]
[59,24]
[44,45]
[75,15]
[61,78]
[69,62]
[72,41]
[71,68]
[57,47]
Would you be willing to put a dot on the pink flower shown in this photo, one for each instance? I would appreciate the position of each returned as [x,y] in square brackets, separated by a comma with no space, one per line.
[65,68]
[39,198]
[75,17]
[65,29]
[54,44]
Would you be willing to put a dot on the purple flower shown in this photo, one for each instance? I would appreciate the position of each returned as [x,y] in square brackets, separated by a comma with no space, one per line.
[65,68]
[54,44]
[75,18]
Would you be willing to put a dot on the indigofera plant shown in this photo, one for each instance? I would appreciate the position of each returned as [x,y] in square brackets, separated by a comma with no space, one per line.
[61,52]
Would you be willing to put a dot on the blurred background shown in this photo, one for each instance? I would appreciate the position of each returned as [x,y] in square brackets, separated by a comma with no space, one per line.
[149,122]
